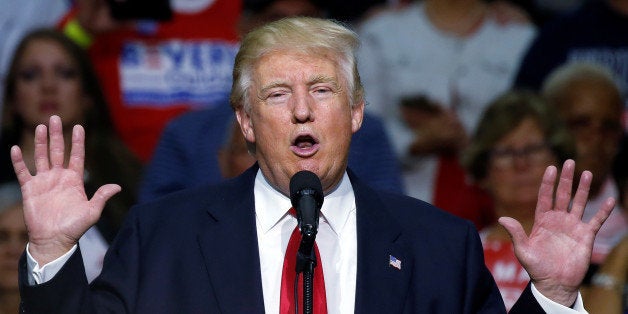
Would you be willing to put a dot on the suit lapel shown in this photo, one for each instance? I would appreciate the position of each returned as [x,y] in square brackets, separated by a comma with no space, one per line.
[229,246]
[380,286]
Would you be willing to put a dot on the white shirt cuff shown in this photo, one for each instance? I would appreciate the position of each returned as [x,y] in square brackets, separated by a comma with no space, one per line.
[38,275]
[552,307]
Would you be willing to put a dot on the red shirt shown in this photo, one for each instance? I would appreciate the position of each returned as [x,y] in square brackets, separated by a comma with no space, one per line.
[156,71]
[510,276]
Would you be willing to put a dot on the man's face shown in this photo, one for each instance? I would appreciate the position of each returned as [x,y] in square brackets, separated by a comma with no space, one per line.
[593,114]
[300,118]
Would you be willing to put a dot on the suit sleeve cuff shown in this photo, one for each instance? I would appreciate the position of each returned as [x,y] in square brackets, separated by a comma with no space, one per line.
[38,275]
[550,306]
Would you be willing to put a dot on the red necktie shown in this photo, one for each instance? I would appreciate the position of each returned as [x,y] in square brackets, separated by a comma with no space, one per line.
[287,304]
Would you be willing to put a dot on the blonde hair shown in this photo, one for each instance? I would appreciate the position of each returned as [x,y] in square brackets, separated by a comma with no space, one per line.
[312,36]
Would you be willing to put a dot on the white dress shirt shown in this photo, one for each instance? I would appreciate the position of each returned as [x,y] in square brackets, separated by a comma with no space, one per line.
[336,241]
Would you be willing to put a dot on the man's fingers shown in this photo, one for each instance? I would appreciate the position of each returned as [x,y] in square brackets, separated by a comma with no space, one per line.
[22,173]
[40,156]
[56,142]
[103,194]
[546,191]
[601,215]
[563,191]
[514,228]
[77,153]
[582,194]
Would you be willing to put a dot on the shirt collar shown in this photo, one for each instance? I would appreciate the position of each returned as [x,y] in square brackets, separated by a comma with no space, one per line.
[271,206]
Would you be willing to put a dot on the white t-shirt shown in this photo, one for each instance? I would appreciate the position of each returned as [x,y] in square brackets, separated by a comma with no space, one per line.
[403,54]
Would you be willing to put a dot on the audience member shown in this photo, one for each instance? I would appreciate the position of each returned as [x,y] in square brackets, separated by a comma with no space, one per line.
[255,13]
[470,202]
[594,32]
[353,11]
[152,71]
[608,291]
[457,54]
[233,155]
[542,11]
[518,136]
[620,172]
[589,101]
[187,152]
[9,193]
[50,74]
[17,18]
[13,238]
[381,252]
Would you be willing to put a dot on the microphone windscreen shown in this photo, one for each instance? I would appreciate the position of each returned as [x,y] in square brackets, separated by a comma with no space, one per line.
[305,180]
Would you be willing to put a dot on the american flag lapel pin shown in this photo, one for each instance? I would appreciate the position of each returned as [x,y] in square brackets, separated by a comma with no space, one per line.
[394,262]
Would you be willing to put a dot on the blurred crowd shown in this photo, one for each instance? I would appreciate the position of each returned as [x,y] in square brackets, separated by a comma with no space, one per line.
[467,102]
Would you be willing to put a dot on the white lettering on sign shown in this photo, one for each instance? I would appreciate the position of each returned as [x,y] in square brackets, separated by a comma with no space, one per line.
[197,73]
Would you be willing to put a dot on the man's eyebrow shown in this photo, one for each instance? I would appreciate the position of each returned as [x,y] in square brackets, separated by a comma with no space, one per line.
[324,79]
[272,85]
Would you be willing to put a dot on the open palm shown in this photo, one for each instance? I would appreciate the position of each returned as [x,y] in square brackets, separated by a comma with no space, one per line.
[56,209]
[557,253]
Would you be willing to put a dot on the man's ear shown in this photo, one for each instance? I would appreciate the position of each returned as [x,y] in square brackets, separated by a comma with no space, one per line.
[357,115]
[246,125]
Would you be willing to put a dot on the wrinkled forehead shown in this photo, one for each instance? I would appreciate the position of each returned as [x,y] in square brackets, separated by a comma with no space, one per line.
[297,66]
[281,60]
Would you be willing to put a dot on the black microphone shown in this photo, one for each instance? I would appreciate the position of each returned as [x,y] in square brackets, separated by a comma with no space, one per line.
[306,196]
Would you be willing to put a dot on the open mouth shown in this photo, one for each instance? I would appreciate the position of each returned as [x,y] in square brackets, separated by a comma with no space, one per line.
[305,145]
[304,142]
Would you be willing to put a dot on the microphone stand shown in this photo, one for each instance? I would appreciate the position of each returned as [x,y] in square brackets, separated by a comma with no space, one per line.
[306,264]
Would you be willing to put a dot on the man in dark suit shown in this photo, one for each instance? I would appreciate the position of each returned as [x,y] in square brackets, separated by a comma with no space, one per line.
[218,249]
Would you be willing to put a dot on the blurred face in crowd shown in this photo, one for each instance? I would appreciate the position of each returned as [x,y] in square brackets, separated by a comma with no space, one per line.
[279,9]
[300,117]
[13,238]
[516,166]
[592,112]
[285,8]
[48,82]
[234,157]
